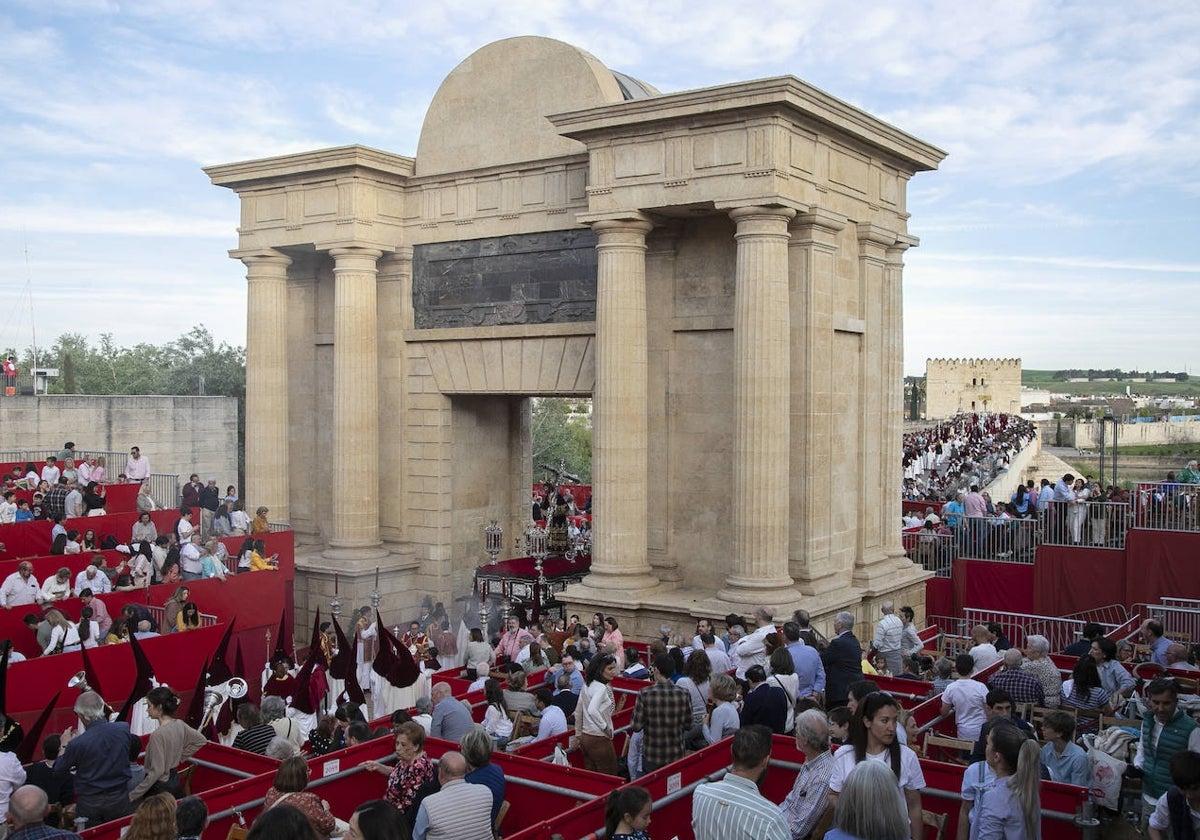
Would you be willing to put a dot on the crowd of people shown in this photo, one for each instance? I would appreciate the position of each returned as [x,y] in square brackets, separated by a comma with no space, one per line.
[965,450]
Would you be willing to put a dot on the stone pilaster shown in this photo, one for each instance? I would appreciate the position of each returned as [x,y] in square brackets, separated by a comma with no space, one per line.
[354,483]
[619,425]
[812,268]
[267,382]
[893,433]
[762,365]
[876,469]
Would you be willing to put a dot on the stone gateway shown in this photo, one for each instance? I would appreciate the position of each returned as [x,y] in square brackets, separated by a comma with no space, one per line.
[720,269]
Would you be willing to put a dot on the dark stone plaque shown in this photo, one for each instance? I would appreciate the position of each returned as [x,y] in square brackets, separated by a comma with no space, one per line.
[536,278]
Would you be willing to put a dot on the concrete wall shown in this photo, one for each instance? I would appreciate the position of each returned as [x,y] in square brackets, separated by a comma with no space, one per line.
[178,434]
[1022,468]
[1087,435]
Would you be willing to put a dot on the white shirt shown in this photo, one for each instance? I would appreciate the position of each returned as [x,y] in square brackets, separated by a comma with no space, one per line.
[240,520]
[718,659]
[73,506]
[8,513]
[186,529]
[888,633]
[18,591]
[189,558]
[98,583]
[984,655]
[50,474]
[911,777]
[138,468]
[553,722]
[752,650]
[52,590]
[699,645]
[83,473]
[967,697]
[12,776]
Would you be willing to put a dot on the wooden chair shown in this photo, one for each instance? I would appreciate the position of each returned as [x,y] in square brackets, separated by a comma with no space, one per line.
[953,746]
[1037,714]
[1186,685]
[1177,636]
[524,723]
[936,822]
[1141,653]
[500,815]
[1022,710]
[237,832]
[185,778]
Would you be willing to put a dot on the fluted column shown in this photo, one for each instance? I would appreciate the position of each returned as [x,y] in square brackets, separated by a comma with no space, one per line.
[619,425]
[354,485]
[267,383]
[761,444]
[812,265]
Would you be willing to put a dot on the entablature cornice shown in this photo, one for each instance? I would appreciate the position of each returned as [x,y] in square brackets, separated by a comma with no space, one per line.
[306,166]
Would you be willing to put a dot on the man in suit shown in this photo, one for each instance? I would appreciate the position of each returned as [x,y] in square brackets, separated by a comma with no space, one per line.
[842,660]
[764,704]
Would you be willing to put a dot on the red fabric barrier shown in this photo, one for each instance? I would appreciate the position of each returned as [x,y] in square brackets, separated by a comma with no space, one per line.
[1160,563]
[989,585]
[177,660]
[899,687]
[1069,579]
[939,596]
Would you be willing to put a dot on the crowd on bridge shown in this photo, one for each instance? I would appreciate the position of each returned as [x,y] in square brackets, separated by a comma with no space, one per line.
[965,450]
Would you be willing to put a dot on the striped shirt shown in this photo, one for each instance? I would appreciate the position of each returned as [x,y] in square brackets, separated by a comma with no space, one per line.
[733,809]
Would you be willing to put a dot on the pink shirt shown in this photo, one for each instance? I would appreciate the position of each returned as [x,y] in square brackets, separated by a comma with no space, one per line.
[974,505]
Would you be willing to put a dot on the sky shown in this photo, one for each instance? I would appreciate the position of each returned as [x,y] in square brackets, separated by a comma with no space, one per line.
[1062,228]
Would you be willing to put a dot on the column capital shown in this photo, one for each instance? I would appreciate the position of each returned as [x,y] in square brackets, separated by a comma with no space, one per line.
[621,218]
[264,258]
[755,221]
[877,234]
[895,252]
[820,219]
[350,251]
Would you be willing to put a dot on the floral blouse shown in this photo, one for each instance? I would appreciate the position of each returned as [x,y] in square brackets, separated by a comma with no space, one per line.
[406,779]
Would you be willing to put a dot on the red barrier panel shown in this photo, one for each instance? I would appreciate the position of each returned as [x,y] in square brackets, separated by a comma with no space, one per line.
[177,660]
[939,596]
[990,585]
[900,688]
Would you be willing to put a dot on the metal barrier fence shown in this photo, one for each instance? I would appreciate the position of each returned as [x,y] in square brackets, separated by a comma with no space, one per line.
[158,613]
[1017,626]
[1111,616]
[986,538]
[935,552]
[1179,620]
[1167,506]
[1094,524]
[164,489]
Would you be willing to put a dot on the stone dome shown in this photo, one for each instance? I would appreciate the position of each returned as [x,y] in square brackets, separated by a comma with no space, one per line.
[491,110]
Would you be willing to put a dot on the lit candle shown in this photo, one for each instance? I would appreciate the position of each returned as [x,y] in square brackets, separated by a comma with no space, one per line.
[335,583]
[376,578]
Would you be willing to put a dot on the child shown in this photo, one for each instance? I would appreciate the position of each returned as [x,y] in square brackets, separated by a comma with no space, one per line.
[839,725]
[628,814]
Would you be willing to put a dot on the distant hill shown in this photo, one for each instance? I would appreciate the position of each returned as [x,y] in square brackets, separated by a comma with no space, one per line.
[1046,379]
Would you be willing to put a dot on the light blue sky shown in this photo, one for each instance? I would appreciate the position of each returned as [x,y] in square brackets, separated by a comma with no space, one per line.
[1062,229]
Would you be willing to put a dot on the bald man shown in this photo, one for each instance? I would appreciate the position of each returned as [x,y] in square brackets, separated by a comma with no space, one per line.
[459,811]
[26,811]
[451,719]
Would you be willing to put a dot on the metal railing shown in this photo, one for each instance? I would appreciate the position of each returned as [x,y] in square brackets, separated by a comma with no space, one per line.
[158,613]
[1110,616]
[1166,506]
[935,552]
[988,538]
[1087,523]
[164,489]
[1059,631]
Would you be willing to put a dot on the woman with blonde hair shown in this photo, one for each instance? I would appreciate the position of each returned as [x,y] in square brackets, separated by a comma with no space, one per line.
[154,819]
[64,635]
[1011,808]
[173,607]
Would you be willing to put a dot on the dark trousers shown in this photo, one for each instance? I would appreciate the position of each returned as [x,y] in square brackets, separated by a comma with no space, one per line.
[101,807]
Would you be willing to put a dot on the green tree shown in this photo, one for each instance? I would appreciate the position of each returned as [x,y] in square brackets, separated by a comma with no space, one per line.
[561,429]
